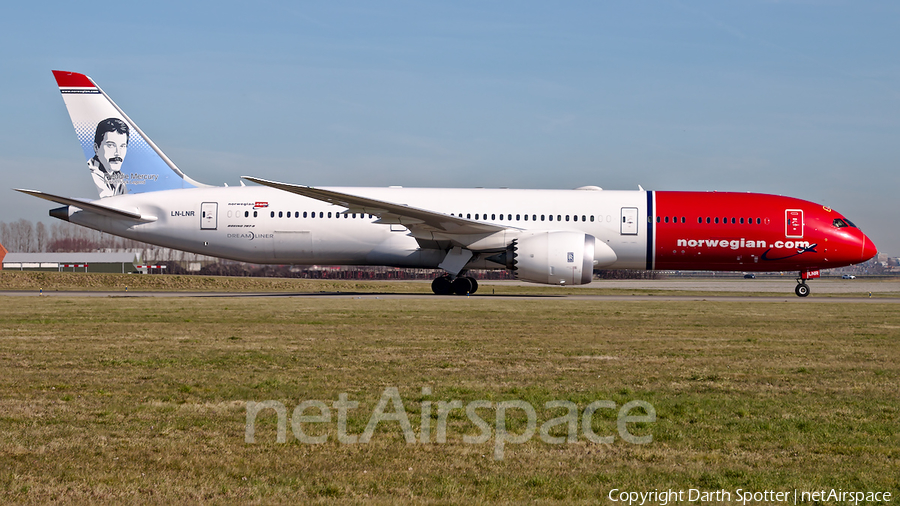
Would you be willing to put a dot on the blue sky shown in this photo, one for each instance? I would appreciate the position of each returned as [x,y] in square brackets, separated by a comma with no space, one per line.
[795,98]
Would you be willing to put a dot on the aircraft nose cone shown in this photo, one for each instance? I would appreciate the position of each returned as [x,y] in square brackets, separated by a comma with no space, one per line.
[869,249]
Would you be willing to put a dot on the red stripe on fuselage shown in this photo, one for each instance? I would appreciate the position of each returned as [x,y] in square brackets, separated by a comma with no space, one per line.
[748,232]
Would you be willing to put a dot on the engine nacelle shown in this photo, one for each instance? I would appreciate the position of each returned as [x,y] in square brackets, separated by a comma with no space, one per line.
[556,257]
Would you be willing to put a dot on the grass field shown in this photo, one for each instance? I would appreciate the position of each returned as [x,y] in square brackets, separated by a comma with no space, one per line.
[144,399]
[71,281]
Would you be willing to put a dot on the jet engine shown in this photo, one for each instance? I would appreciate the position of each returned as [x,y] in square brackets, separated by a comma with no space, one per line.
[556,257]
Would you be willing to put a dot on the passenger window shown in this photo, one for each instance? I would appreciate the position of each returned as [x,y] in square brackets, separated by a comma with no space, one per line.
[254,214]
[501,217]
[272,214]
[542,217]
[469,216]
[526,217]
[246,214]
[558,218]
[508,217]
[517,217]
[550,218]
[493,216]
[717,220]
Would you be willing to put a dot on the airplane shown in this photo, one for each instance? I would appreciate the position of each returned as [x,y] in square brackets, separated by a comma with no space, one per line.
[553,237]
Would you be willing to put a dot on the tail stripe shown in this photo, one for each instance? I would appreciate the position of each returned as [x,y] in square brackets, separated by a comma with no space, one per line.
[72,80]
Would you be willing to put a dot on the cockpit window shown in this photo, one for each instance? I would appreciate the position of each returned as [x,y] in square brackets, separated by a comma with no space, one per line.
[842,222]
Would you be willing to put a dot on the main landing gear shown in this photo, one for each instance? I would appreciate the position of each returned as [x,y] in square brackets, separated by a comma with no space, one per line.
[462,285]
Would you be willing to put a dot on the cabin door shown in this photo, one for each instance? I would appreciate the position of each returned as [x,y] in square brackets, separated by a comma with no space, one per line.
[208,212]
[793,223]
[629,222]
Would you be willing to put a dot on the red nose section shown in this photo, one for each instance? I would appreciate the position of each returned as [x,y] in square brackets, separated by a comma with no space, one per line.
[869,249]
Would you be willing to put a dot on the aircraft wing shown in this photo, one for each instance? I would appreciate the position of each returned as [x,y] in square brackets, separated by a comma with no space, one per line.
[88,206]
[414,218]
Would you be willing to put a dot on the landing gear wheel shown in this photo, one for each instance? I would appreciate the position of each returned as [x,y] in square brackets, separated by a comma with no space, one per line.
[802,290]
[442,285]
[474,284]
[462,286]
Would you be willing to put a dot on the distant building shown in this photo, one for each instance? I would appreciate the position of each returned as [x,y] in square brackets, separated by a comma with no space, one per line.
[3,253]
[72,262]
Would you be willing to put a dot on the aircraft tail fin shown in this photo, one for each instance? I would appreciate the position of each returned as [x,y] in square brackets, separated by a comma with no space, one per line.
[120,157]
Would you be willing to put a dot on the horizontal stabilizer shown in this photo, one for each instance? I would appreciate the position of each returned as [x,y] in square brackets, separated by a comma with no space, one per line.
[89,206]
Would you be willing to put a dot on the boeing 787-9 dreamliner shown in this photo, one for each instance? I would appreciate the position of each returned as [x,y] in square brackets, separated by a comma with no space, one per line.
[555,237]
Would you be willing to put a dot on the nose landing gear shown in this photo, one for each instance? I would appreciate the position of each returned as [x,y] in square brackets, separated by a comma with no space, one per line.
[802,289]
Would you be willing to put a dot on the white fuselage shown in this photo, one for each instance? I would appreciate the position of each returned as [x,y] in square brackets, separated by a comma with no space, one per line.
[266,225]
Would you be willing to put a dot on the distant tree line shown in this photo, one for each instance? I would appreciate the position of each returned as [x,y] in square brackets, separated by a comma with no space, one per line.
[23,236]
